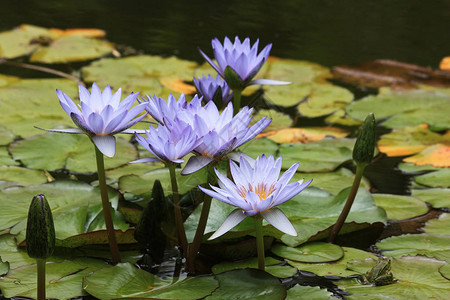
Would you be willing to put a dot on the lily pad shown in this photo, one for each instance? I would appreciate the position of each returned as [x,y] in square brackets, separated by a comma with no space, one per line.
[300,292]
[316,252]
[322,156]
[4,267]
[71,48]
[142,73]
[438,198]
[22,176]
[440,178]
[258,146]
[417,278]
[405,109]
[110,284]
[279,120]
[337,268]
[399,207]
[75,152]
[133,169]
[248,284]
[287,96]
[295,71]
[273,267]
[6,136]
[5,158]
[303,135]
[38,104]
[436,155]
[437,246]
[445,271]
[439,226]
[412,168]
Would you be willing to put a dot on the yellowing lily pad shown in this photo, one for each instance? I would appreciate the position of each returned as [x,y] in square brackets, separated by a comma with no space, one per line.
[399,207]
[71,48]
[437,155]
[303,135]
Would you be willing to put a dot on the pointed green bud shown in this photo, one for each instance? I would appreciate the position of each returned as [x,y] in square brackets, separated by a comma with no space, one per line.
[233,80]
[40,238]
[365,142]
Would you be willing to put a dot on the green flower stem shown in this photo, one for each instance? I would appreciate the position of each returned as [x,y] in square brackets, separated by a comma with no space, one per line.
[259,241]
[195,245]
[348,204]
[181,233]
[40,278]
[106,207]
[236,101]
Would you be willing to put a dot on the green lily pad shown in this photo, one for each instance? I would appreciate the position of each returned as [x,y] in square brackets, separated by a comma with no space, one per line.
[440,178]
[257,147]
[287,96]
[110,284]
[412,168]
[439,226]
[6,136]
[405,109]
[248,284]
[75,152]
[417,278]
[400,207]
[337,268]
[38,105]
[71,48]
[323,100]
[4,267]
[142,73]
[438,198]
[300,292]
[445,271]
[272,267]
[316,252]
[332,182]
[18,42]
[22,176]
[295,71]
[437,246]
[322,156]
[340,117]
[279,120]
[5,158]
[133,169]
[139,185]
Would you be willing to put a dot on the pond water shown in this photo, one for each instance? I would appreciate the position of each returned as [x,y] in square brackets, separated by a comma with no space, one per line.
[324,31]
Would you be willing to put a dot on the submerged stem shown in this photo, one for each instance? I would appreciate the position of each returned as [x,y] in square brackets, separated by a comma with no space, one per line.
[40,278]
[181,233]
[348,204]
[236,101]
[106,207]
[259,241]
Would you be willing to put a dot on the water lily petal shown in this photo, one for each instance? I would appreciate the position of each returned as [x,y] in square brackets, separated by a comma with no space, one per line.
[195,163]
[232,220]
[279,220]
[106,144]
[66,130]
[269,81]
[144,160]
[78,120]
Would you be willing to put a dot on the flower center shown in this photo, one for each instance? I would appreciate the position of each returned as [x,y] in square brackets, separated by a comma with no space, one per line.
[261,190]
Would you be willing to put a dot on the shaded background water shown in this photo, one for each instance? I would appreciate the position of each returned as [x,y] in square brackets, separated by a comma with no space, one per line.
[324,31]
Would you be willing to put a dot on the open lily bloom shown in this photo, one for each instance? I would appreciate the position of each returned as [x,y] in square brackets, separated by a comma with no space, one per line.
[101,116]
[243,61]
[220,133]
[213,89]
[168,145]
[257,190]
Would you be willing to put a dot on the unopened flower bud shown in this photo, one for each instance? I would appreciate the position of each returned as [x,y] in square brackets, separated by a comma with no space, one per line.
[365,142]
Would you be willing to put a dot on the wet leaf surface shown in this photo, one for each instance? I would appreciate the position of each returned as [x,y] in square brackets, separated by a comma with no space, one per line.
[399,207]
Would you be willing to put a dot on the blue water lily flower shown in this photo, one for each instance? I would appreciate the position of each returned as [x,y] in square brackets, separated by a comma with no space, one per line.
[168,145]
[213,89]
[256,190]
[101,116]
[238,63]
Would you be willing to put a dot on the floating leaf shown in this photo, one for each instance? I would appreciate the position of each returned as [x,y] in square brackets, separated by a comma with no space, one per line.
[405,109]
[437,246]
[109,284]
[287,97]
[340,117]
[4,267]
[177,85]
[133,169]
[337,268]
[5,158]
[436,155]
[317,252]
[412,168]
[300,292]
[273,267]
[445,271]
[399,207]
[303,135]
[440,178]
[22,176]
[295,71]
[71,48]
[279,120]
[6,136]
[438,198]
[439,226]
[321,156]
[248,284]
[259,146]
[75,152]
[417,278]
[410,140]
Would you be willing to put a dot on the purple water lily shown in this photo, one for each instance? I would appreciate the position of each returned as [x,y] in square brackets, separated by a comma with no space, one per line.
[101,116]
[238,63]
[257,190]
[213,89]
[168,145]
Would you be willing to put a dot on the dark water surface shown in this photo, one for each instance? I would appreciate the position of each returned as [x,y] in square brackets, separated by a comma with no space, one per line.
[328,32]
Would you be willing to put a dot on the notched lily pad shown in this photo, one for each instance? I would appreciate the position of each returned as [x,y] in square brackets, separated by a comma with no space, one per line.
[439,226]
[316,252]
